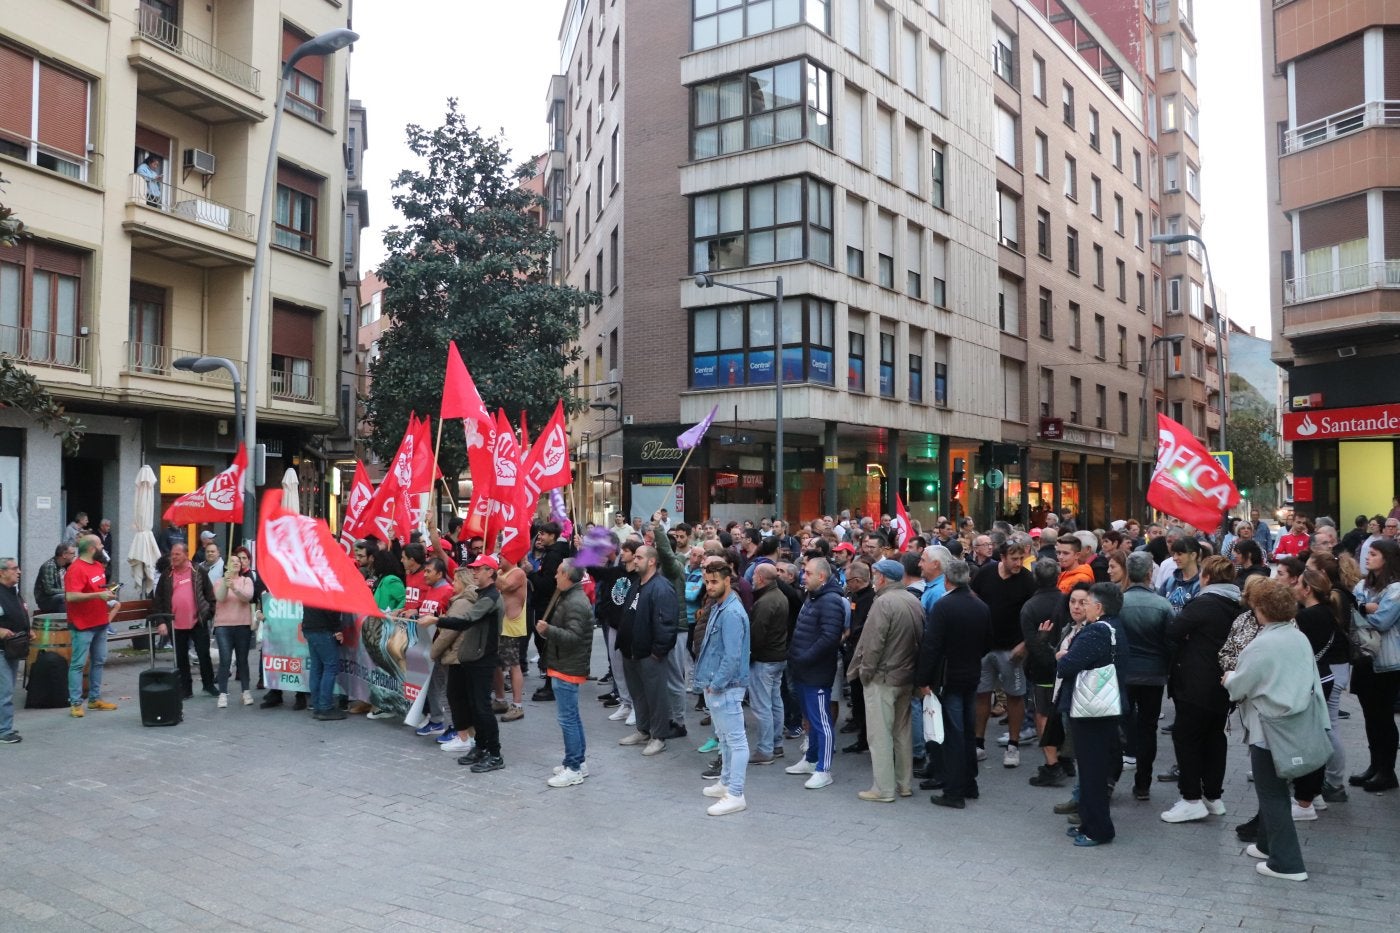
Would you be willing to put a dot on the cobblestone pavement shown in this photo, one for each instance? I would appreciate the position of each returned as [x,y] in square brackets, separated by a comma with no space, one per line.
[249,819]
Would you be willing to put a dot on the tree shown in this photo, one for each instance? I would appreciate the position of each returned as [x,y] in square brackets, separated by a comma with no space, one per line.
[471,263]
[18,388]
[1258,464]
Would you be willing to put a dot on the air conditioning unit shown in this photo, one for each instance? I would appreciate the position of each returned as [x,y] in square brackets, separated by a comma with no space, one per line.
[612,377]
[197,160]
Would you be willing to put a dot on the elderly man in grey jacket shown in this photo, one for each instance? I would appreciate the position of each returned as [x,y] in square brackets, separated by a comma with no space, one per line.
[884,662]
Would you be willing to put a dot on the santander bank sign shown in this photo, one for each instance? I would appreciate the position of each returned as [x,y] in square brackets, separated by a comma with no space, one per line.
[1333,423]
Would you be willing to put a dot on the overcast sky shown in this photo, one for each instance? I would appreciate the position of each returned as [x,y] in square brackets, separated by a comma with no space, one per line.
[497,58]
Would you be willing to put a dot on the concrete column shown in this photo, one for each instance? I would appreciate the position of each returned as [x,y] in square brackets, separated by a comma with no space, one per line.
[945,475]
[1025,487]
[830,505]
[1085,511]
[1108,490]
[892,473]
[1055,472]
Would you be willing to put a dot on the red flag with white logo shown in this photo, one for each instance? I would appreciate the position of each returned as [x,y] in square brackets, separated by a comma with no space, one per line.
[508,514]
[902,527]
[361,492]
[300,561]
[1187,482]
[460,399]
[219,500]
[547,466]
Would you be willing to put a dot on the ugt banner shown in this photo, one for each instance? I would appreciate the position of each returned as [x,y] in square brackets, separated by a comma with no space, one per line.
[284,654]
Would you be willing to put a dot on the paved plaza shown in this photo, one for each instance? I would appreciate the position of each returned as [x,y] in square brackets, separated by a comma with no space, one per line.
[249,819]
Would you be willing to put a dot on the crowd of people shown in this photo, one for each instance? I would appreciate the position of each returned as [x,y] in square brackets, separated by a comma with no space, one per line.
[790,621]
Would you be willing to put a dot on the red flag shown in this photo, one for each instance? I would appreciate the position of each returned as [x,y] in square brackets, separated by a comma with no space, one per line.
[422,471]
[1187,482]
[459,396]
[361,492]
[902,527]
[508,513]
[481,441]
[386,516]
[219,500]
[547,466]
[299,561]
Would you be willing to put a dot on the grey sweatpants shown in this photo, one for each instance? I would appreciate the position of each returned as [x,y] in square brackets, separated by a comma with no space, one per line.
[646,681]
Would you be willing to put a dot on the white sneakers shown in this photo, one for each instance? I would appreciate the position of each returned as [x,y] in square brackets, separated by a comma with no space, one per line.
[1215,807]
[1012,757]
[802,767]
[247,698]
[716,790]
[654,747]
[1304,814]
[1252,850]
[621,713]
[636,738]
[1184,811]
[458,744]
[223,701]
[583,769]
[1027,734]
[818,780]
[631,717]
[726,805]
[1264,869]
[565,777]
[981,754]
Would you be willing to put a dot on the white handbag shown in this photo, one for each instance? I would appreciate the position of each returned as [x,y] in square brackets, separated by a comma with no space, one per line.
[1096,693]
[933,719]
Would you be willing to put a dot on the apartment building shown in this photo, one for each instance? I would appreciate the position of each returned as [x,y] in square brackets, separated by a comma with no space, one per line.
[1331,79]
[133,138]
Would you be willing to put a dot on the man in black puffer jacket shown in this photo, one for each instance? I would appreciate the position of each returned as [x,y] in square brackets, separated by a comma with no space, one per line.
[812,655]
[646,633]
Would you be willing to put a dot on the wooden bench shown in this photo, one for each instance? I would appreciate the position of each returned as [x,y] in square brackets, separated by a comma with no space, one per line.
[130,611]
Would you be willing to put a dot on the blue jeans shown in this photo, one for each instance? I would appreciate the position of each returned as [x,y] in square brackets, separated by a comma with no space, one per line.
[92,640]
[727,714]
[9,673]
[233,642]
[325,659]
[817,709]
[566,708]
[959,748]
[766,701]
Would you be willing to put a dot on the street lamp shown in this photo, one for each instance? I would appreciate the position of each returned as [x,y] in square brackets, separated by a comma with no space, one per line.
[1174,339]
[1221,331]
[326,43]
[208,364]
[705,280]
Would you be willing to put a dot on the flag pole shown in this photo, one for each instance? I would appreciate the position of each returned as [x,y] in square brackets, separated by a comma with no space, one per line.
[437,446]
[680,471]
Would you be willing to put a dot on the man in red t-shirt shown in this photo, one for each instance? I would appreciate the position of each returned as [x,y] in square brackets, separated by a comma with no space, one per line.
[437,595]
[1295,542]
[91,606]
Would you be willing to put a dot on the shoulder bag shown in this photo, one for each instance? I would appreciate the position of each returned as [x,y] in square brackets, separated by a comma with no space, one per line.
[1365,641]
[1298,742]
[1096,693]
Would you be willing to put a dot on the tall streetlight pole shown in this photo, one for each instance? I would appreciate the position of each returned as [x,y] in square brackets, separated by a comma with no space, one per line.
[207,364]
[327,43]
[705,280]
[1141,486]
[1220,324]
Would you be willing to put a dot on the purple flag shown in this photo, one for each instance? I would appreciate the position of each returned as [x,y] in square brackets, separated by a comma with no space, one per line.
[692,438]
[597,549]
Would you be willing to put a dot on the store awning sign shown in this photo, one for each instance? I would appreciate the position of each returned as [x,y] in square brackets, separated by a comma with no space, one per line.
[1332,423]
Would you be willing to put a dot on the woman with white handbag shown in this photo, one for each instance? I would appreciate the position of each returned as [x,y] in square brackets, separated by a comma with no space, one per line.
[1090,698]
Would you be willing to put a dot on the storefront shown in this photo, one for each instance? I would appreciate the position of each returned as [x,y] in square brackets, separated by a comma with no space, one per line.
[1345,460]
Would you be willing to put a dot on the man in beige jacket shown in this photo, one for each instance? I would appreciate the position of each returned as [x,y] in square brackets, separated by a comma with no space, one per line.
[883,663]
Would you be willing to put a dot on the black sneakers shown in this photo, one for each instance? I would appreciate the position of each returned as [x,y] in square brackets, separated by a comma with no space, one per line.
[488,763]
[715,768]
[1048,776]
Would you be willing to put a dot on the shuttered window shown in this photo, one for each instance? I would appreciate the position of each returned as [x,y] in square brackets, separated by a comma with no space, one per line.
[1392,64]
[1329,81]
[1329,224]
[307,79]
[1392,224]
[16,102]
[41,304]
[53,135]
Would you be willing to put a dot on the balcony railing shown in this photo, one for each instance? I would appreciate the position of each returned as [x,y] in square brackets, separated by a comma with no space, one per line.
[1342,123]
[44,348]
[150,359]
[295,387]
[155,27]
[1340,281]
[196,208]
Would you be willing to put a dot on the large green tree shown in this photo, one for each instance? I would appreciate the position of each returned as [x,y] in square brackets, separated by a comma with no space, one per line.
[471,264]
[1258,464]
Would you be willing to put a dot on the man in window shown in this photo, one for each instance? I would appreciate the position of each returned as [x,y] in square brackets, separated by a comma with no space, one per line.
[150,169]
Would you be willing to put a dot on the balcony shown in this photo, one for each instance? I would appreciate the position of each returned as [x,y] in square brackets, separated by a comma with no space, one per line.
[148,359]
[295,387]
[1342,123]
[44,348]
[175,68]
[1341,281]
[187,227]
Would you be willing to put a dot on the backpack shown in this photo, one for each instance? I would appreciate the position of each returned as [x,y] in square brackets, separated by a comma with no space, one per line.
[47,686]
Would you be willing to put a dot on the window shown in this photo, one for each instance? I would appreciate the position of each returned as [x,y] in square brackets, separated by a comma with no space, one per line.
[1067,102]
[852,118]
[614,173]
[1011,390]
[939,272]
[1042,231]
[44,114]
[940,370]
[1098,266]
[1118,150]
[1137,169]
[935,77]
[716,21]
[887,364]
[1006,136]
[41,304]
[1009,307]
[1047,392]
[1100,406]
[735,345]
[1095,196]
[1008,219]
[1047,323]
[348,240]
[914,260]
[910,174]
[293,348]
[1072,249]
[599,186]
[1196,296]
[1100,338]
[1118,214]
[1071,178]
[1141,291]
[1122,280]
[1042,155]
[616,58]
[1174,295]
[1038,78]
[1193,181]
[1142,355]
[1173,227]
[884,248]
[587,211]
[1169,114]
[881,26]
[936,195]
[1137,229]
[778,221]
[1094,129]
[909,59]
[916,371]
[1166,52]
[884,143]
[1076,399]
[771,105]
[296,221]
[1198,362]
[1002,61]
[855,237]
[1074,325]
[1122,347]
[308,75]
[1188,62]
[614,259]
[850,26]
[1171,173]
[855,362]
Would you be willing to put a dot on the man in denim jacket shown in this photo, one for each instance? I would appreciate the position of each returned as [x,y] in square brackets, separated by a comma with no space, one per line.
[722,671]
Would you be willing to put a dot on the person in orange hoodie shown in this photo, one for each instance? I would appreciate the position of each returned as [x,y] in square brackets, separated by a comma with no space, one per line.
[1072,569]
